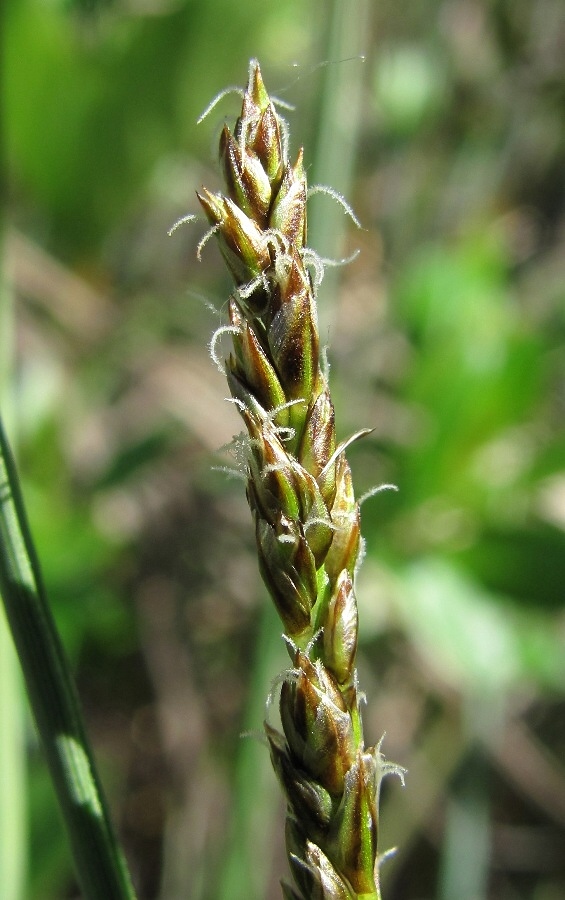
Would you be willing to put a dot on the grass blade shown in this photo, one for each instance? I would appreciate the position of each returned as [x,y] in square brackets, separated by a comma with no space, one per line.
[100,866]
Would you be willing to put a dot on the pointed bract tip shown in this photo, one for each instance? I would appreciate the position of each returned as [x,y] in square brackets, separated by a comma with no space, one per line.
[256,88]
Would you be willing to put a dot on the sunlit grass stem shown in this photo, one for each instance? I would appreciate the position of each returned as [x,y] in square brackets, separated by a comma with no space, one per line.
[100,866]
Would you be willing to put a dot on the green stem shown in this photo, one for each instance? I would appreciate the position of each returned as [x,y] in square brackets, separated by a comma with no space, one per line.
[13,793]
[101,869]
[13,783]
[255,802]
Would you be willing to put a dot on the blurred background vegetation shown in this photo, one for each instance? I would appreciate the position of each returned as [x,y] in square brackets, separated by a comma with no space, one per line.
[446,334]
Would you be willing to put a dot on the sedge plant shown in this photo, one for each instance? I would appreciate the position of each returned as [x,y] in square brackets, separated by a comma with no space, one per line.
[300,492]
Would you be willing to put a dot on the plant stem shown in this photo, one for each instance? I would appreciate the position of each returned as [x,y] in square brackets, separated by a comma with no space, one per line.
[12,766]
[254,802]
[13,791]
[101,869]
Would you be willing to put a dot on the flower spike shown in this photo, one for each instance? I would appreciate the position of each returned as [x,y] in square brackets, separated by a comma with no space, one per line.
[301,496]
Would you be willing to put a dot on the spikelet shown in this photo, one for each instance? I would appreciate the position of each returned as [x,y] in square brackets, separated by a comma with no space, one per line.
[306,517]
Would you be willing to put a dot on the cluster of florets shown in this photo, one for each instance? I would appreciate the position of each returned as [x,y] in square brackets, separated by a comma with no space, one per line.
[306,516]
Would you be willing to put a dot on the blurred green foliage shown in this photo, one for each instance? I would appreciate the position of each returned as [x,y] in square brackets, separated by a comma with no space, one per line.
[447,335]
